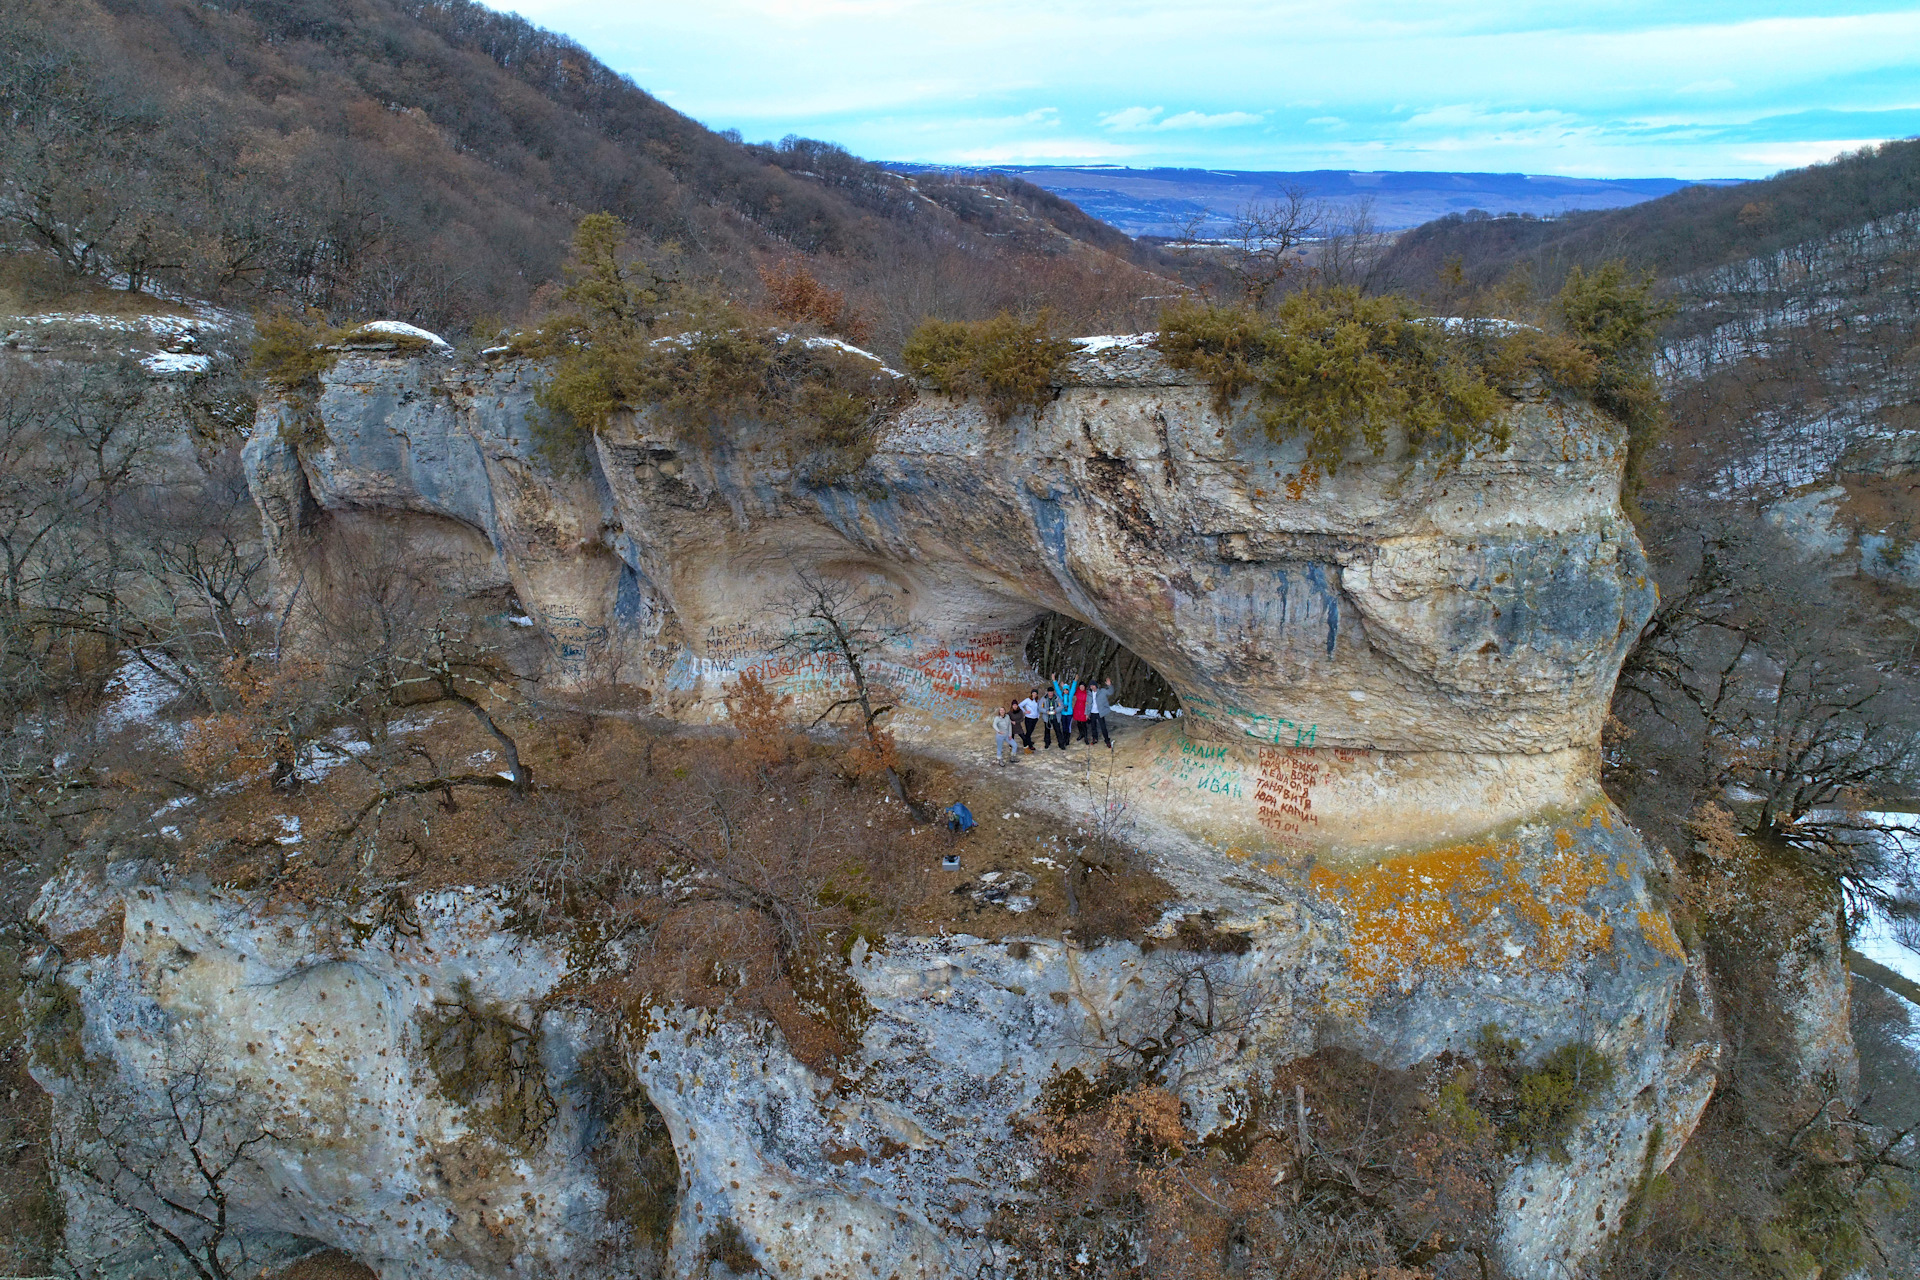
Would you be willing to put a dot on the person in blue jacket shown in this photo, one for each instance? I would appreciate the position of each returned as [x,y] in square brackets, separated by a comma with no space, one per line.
[1064,692]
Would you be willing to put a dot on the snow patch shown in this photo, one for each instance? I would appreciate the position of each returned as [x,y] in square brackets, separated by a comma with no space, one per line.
[815,344]
[319,759]
[171,326]
[1102,342]
[1476,325]
[401,329]
[811,344]
[178,802]
[165,362]
[138,692]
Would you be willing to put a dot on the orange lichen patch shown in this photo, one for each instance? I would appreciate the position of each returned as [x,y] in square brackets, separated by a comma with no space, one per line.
[1442,912]
[1551,897]
[1658,931]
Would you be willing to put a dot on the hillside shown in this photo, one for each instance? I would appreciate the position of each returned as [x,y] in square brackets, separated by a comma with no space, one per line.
[427,159]
[1693,229]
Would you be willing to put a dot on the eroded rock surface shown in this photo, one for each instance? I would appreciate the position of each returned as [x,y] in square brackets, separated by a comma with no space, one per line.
[895,1168]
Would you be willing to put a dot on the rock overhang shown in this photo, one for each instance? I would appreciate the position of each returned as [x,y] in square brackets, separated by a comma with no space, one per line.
[1444,630]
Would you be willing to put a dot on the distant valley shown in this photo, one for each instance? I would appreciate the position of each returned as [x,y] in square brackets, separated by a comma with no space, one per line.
[1159,202]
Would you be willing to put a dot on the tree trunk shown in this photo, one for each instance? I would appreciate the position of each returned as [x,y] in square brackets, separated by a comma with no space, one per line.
[522,776]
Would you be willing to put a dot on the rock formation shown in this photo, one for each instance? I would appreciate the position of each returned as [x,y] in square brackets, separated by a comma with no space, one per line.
[1393,680]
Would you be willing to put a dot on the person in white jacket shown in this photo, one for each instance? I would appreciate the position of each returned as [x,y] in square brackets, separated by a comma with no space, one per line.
[1030,715]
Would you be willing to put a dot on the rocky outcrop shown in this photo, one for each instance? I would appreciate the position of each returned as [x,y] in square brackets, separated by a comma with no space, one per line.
[1393,680]
[1442,635]
[896,1167]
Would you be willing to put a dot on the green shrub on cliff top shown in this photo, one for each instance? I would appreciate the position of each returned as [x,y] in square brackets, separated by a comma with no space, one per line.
[291,352]
[1613,316]
[1340,369]
[637,338]
[1009,363]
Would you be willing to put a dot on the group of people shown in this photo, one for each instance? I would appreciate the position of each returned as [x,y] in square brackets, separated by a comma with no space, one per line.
[1069,709]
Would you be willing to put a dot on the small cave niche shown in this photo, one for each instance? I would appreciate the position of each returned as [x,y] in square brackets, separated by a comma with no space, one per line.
[1071,647]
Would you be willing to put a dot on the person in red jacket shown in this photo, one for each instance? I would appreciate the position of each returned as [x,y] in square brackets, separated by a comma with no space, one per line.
[1080,710]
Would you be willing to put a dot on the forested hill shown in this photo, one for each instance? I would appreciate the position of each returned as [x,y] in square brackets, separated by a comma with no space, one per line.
[1694,229]
[427,159]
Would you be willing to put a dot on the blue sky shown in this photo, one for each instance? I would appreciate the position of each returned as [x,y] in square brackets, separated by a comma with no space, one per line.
[1679,88]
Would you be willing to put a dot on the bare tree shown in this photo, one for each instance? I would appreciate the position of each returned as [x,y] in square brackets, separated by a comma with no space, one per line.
[1267,235]
[168,1153]
[748,850]
[1761,676]
[389,639]
[849,625]
[1098,844]
[1189,229]
[73,447]
[1349,251]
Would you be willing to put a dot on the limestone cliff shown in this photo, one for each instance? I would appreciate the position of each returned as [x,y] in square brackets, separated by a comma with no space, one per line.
[1443,636]
[1386,775]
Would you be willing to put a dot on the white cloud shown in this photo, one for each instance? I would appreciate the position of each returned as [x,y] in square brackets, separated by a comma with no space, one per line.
[1132,118]
[1043,151]
[1793,155]
[1200,120]
[1140,119]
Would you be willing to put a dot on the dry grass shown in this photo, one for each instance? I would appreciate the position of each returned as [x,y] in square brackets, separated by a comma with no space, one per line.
[32,285]
[604,762]
[675,866]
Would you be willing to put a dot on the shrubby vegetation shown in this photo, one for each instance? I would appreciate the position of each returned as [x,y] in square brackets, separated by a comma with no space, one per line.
[490,1062]
[1007,363]
[634,337]
[290,353]
[1340,370]
[420,161]
[1765,721]
[1333,1167]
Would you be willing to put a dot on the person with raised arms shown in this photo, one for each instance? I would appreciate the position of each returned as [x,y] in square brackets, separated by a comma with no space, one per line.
[1063,692]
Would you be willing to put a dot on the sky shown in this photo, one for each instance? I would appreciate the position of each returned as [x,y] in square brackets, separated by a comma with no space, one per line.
[1647,88]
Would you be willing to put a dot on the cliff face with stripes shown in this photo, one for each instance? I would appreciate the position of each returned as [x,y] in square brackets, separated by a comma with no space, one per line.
[1384,784]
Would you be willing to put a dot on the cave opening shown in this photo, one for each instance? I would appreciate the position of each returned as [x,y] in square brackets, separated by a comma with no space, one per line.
[1067,645]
